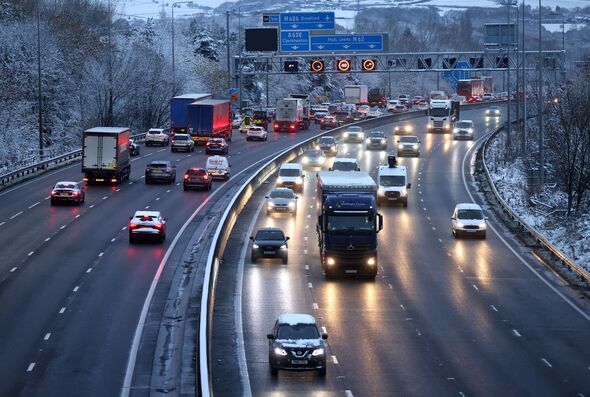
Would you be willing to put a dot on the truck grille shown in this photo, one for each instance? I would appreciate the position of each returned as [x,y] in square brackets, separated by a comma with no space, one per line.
[356,247]
[392,194]
[438,124]
[471,227]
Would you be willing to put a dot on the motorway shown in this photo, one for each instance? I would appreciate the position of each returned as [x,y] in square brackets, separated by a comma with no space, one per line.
[72,288]
[444,317]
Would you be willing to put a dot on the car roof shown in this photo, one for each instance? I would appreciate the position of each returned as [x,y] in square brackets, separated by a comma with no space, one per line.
[376,132]
[467,206]
[67,183]
[280,189]
[328,137]
[295,318]
[165,162]
[345,160]
[156,130]
[291,165]
[465,121]
[355,128]
[139,214]
[408,136]
[177,135]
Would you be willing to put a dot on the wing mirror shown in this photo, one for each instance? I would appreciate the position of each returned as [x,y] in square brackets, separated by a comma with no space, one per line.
[453,218]
[287,238]
[270,336]
[409,185]
[324,336]
[251,237]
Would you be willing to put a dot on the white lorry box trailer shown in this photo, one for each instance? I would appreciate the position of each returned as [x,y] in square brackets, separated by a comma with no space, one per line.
[105,155]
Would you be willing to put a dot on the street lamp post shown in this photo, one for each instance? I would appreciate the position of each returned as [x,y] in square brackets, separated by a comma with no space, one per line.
[509,126]
[173,60]
[540,103]
[39,100]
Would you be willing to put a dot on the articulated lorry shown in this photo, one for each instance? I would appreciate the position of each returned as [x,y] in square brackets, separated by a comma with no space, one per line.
[470,88]
[209,118]
[357,94]
[347,223]
[376,97]
[291,115]
[442,115]
[179,111]
[105,155]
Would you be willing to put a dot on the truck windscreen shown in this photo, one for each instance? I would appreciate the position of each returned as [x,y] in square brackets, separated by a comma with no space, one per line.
[439,112]
[358,223]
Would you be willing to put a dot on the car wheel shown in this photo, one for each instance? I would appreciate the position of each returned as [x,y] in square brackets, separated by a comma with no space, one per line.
[53,202]
[185,188]
[247,138]
[162,238]
[209,188]
[455,233]
[147,181]
[322,372]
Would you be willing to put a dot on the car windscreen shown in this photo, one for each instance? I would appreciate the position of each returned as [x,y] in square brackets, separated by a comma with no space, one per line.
[327,140]
[158,165]
[298,331]
[181,138]
[215,141]
[377,135]
[494,108]
[66,186]
[287,194]
[197,172]
[344,166]
[355,129]
[408,139]
[314,153]
[358,223]
[392,180]
[470,214]
[269,235]
[289,172]
[463,124]
[439,112]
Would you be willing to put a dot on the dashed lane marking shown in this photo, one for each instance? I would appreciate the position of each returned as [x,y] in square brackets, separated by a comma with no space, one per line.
[515,332]
[440,240]
[47,198]
[168,191]
[448,253]
[105,197]
[30,253]
[433,228]
[390,286]
[475,287]
[15,215]
[62,310]
[89,270]
[101,254]
[305,252]
[92,206]
[13,269]
[113,240]
[76,288]
[157,198]
[306,267]
[30,367]
[2,223]
[403,307]
[334,360]
[118,190]
[62,227]
[316,306]
[324,330]
[547,363]
[33,205]
[147,206]
[348,393]
[309,285]
[494,308]
[77,216]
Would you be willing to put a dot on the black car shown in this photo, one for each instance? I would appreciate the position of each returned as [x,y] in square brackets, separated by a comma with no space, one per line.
[68,192]
[296,344]
[269,242]
[377,140]
[134,148]
[160,171]
[343,117]
[216,145]
[328,145]
[196,178]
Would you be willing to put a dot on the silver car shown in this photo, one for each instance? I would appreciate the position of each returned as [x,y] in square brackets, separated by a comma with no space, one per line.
[408,145]
[314,158]
[463,130]
[354,134]
[182,142]
[281,199]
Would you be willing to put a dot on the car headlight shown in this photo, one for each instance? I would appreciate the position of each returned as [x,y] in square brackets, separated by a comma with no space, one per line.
[271,204]
[408,128]
[291,204]
[383,140]
[255,246]
[396,129]
[429,125]
[470,130]
[381,191]
[497,111]
[299,180]
[400,146]
[415,146]
[482,225]
[330,261]
[368,140]
[280,352]
[404,191]
[447,126]
[333,148]
[371,261]
[346,135]
[305,160]
[362,136]
[284,246]
[318,352]
[459,224]
[279,180]
[455,130]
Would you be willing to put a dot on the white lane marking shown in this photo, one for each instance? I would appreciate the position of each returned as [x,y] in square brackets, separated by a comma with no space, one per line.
[309,215]
[448,254]
[131,183]
[13,269]
[307,226]
[124,227]
[47,198]
[334,360]
[178,184]
[461,270]
[424,208]
[418,332]
[348,393]
[305,252]
[30,253]
[100,254]
[494,308]
[113,240]
[515,332]
[161,150]
[324,330]
[143,176]
[157,198]
[126,388]
[149,154]
[403,307]
[105,197]
[15,215]
[118,190]
[440,240]
[316,306]
[147,206]
[33,205]
[433,228]
[475,287]
[47,336]
[497,233]
[547,363]
[2,223]
[89,270]
[168,191]
[77,216]
[30,367]
[390,286]
[421,200]
[305,238]
[309,285]
[76,288]
[62,227]
[306,267]
[62,310]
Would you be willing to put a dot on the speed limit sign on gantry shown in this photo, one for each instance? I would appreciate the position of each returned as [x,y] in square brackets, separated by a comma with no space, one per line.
[343,65]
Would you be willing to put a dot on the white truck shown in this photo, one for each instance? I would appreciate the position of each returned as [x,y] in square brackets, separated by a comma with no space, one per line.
[291,115]
[393,183]
[105,155]
[442,115]
[357,94]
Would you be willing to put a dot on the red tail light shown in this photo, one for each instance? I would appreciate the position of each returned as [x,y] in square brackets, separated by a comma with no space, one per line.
[76,193]
[206,177]
[85,179]
[53,192]
[158,226]
[276,126]
[292,126]
[133,226]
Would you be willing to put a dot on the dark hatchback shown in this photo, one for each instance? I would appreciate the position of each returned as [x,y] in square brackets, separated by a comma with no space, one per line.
[328,145]
[196,178]
[160,171]
[269,242]
[217,145]
[377,140]
[343,117]
[296,344]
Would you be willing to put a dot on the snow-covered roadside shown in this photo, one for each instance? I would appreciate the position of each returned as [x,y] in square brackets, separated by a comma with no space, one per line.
[544,210]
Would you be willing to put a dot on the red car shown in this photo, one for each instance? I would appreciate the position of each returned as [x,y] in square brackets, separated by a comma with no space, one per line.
[216,145]
[328,122]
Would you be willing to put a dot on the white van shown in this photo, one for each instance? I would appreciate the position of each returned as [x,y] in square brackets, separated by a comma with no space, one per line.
[393,183]
[218,167]
[291,176]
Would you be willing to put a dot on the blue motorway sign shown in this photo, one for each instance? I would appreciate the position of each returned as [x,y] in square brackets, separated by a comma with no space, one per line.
[347,42]
[307,21]
[270,19]
[295,41]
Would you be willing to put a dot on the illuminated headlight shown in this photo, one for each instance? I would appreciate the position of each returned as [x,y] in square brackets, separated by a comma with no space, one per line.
[460,224]
[330,261]
[455,130]
[279,180]
[482,225]
[429,125]
[318,352]
[381,191]
[305,160]
[371,262]
[299,180]
[271,204]
[470,130]
[497,111]
[333,148]
[284,246]
[408,128]
[255,246]
[396,129]
[383,140]
[415,146]
[362,135]
[346,135]
[447,126]
[403,192]
[368,140]
[291,205]
[280,352]
[400,146]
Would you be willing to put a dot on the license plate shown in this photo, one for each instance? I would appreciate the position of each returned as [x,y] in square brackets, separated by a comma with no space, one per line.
[99,180]
[299,362]
[471,230]
[269,252]
[64,195]
[156,171]
[392,199]
[348,271]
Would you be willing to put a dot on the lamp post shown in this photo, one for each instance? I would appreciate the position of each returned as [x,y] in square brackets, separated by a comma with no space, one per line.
[39,101]
[540,103]
[173,61]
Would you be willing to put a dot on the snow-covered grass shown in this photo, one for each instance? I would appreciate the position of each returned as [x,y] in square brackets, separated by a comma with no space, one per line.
[544,210]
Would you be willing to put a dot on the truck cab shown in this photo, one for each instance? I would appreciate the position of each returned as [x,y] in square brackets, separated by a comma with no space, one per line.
[442,115]
[393,183]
